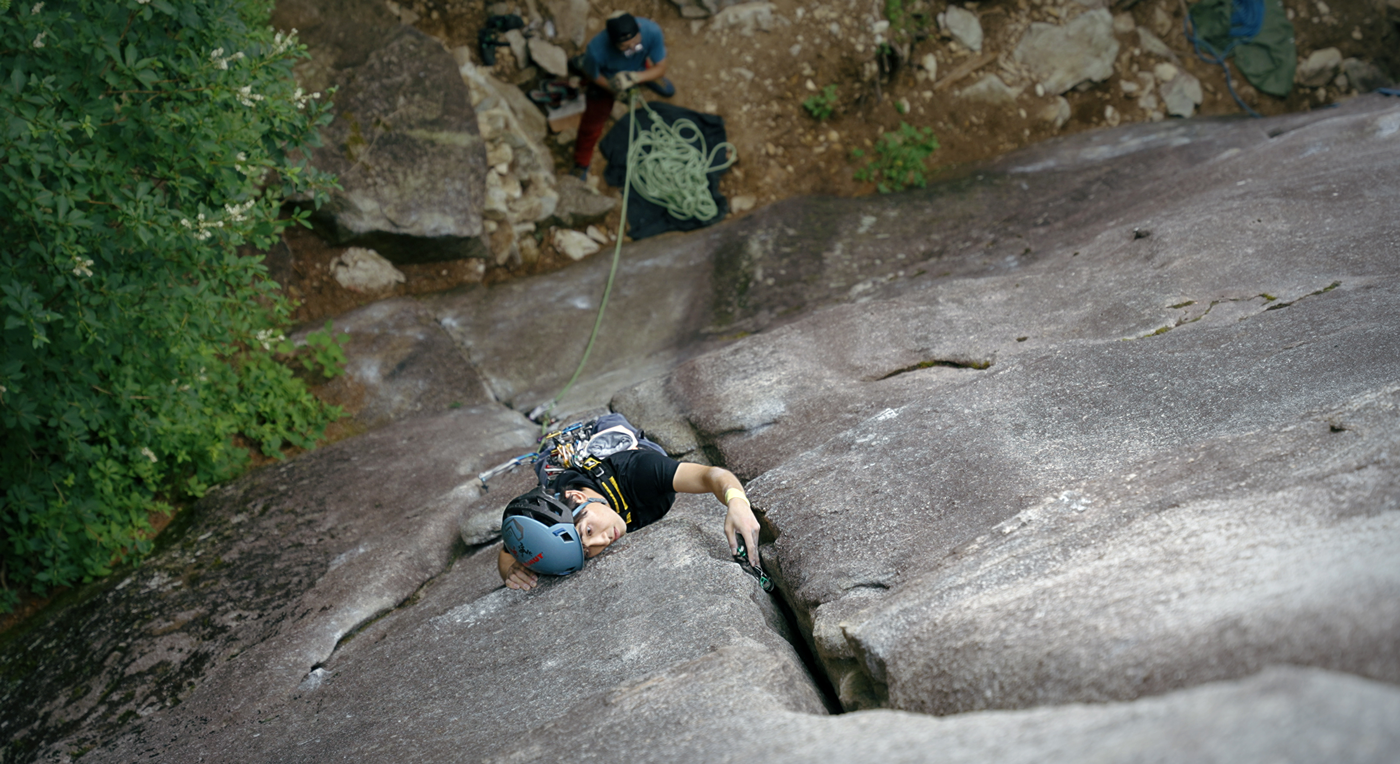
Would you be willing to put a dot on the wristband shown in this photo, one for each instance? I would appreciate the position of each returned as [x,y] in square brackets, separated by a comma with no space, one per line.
[732,492]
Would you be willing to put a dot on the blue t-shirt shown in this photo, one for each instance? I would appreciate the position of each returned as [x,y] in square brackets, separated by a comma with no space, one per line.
[605,59]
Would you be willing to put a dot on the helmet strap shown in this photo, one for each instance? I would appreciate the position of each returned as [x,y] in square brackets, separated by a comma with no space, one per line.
[579,509]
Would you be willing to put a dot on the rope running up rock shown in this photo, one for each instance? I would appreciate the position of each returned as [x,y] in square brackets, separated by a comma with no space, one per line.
[667,169]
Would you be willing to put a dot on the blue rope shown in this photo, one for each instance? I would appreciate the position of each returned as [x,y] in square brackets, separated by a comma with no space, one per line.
[1240,21]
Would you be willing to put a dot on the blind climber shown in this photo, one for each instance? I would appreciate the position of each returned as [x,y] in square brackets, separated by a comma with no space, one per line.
[584,509]
[630,52]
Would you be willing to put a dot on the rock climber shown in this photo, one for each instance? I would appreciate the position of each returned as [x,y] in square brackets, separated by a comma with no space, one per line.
[630,52]
[632,489]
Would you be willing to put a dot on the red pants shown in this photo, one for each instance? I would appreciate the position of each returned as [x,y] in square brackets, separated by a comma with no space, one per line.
[595,116]
[590,128]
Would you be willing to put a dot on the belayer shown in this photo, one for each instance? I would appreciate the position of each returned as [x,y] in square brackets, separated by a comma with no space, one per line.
[630,52]
[622,482]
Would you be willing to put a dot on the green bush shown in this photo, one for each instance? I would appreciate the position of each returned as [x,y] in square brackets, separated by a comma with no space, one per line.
[899,158]
[145,141]
[823,104]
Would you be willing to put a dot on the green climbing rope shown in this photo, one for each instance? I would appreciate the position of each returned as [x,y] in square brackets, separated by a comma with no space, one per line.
[671,173]
[671,170]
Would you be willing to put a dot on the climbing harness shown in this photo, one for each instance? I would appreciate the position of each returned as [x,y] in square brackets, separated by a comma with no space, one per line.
[668,170]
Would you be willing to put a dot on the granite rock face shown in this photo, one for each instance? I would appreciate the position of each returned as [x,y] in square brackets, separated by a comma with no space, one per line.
[1086,454]
[404,142]
[1152,458]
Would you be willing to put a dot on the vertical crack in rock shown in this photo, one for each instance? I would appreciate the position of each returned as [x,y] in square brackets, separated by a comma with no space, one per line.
[800,638]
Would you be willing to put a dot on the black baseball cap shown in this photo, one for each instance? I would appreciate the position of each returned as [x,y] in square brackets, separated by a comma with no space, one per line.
[622,28]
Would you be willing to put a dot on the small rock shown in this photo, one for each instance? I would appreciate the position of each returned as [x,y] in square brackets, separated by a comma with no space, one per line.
[1123,23]
[499,154]
[1363,75]
[549,57]
[573,244]
[1182,94]
[518,46]
[595,233]
[742,203]
[1111,116]
[1130,88]
[963,25]
[1318,68]
[1056,113]
[364,270]
[1148,102]
[1164,72]
[1153,44]
[747,18]
[991,90]
[529,250]
[579,204]
[1162,22]
[930,65]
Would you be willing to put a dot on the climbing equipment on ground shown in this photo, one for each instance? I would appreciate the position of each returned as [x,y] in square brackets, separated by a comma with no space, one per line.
[1256,33]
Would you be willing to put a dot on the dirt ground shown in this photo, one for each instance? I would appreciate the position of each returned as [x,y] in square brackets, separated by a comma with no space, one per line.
[758,82]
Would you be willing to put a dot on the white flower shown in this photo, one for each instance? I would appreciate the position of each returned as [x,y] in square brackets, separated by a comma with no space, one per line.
[35,10]
[142,2]
[39,41]
[148,453]
[238,212]
[267,337]
[247,97]
[280,42]
[82,266]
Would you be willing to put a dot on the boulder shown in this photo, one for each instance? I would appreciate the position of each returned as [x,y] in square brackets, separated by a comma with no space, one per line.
[580,205]
[964,26]
[363,270]
[1061,57]
[404,141]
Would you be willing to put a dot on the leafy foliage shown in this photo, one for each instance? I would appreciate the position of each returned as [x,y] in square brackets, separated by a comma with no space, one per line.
[899,158]
[145,142]
[823,104]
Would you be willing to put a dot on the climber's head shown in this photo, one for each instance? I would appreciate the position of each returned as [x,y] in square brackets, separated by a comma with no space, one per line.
[538,530]
[555,533]
[598,525]
[624,33]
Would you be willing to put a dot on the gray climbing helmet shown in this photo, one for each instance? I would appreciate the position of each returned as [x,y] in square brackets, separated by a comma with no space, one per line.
[538,530]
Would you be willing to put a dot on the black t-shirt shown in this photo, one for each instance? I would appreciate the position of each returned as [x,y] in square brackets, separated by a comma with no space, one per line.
[645,480]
